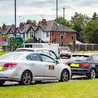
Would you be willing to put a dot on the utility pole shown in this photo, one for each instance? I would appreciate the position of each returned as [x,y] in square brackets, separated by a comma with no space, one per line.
[15,17]
[56,18]
[63,12]
[56,9]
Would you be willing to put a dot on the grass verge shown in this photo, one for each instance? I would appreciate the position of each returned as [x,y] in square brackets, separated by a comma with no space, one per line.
[76,89]
[3,52]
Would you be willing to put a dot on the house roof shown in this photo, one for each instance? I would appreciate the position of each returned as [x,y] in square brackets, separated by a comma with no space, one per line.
[26,27]
[54,26]
[5,28]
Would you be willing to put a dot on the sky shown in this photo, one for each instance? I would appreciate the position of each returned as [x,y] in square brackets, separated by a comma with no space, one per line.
[39,9]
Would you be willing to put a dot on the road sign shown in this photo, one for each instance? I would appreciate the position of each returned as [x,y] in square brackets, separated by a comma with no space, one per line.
[15,41]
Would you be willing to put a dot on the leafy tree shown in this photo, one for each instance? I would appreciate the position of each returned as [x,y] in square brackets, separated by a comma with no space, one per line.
[29,40]
[63,21]
[5,37]
[91,32]
[95,16]
[78,22]
[31,22]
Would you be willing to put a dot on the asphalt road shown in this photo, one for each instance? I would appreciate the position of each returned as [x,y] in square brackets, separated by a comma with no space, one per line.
[74,79]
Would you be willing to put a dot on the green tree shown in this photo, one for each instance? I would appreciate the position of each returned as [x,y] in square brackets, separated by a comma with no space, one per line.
[31,22]
[29,40]
[5,37]
[91,32]
[95,16]
[78,22]
[63,21]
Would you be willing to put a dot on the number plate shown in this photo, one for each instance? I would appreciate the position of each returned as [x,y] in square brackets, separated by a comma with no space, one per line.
[74,65]
[1,67]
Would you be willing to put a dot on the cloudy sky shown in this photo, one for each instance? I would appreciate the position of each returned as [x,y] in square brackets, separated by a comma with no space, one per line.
[38,9]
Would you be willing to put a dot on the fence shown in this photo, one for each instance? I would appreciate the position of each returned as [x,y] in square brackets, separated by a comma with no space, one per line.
[85,47]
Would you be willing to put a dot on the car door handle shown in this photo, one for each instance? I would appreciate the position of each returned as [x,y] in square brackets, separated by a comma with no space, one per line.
[46,65]
[32,64]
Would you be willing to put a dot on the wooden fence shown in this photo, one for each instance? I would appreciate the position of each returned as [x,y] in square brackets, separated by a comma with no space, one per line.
[85,47]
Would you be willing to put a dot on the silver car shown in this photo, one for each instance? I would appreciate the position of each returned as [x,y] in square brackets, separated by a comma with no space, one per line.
[25,67]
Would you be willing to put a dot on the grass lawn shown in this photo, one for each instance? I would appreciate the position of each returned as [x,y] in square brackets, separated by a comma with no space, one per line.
[3,52]
[76,89]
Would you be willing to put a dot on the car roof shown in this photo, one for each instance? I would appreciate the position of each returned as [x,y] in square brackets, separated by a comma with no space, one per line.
[33,48]
[84,54]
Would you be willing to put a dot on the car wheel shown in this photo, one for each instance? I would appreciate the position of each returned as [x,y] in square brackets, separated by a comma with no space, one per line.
[92,74]
[26,78]
[2,82]
[64,76]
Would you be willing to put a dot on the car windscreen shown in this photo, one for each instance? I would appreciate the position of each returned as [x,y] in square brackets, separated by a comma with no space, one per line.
[79,57]
[64,48]
[11,56]
[24,50]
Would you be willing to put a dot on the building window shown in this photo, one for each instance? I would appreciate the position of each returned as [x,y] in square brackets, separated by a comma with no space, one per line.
[47,34]
[62,38]
[18,35]
[31,34]
[27,35]
[23,35]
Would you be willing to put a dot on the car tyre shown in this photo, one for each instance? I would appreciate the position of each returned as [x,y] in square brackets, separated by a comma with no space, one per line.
[92,74]
[26,78]
[64,76]
[2,82]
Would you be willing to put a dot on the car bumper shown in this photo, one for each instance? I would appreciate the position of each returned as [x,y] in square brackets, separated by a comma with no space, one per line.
[79,71]
[9,75]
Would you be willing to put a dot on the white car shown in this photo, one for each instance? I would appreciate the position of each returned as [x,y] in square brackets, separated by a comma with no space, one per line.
[25,67]
[42,50]
[65,51]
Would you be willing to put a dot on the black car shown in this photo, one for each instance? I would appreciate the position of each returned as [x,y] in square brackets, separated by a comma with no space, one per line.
[84,64]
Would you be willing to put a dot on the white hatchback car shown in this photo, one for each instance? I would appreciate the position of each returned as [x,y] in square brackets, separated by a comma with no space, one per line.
[25,67]
[64,51]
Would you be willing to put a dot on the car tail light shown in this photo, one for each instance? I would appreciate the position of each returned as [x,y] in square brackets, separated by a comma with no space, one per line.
[10,65]
[84,65]
[58,51]
[68,50]
[23,49]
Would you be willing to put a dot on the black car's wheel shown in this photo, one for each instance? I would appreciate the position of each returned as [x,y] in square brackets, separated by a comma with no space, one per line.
[92,74]
[64,76]
[26,78]
[2,82]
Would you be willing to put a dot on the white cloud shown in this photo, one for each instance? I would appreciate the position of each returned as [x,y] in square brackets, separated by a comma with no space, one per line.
[36,8]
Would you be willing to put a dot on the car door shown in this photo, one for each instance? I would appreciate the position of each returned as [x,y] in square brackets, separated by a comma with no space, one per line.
[37,65]
[50,68]
[94,60]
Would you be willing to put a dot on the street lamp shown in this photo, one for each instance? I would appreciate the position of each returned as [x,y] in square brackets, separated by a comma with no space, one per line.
[56,9]
[15,16]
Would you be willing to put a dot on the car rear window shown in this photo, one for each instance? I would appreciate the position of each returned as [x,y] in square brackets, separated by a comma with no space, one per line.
[64,48]
[79,57]
[24,50]
[11,56]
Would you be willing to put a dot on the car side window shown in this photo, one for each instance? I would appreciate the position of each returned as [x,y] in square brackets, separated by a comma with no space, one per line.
[52,54]
[95,58]
[46,52]
[33,57]
[46,58]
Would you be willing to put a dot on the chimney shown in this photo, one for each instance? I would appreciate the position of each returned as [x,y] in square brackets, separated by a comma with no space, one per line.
[44,22]
[21,25]
[3,26]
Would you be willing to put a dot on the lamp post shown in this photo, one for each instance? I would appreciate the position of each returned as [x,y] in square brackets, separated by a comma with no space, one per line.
[15,16]
[56,9]
[56,18]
